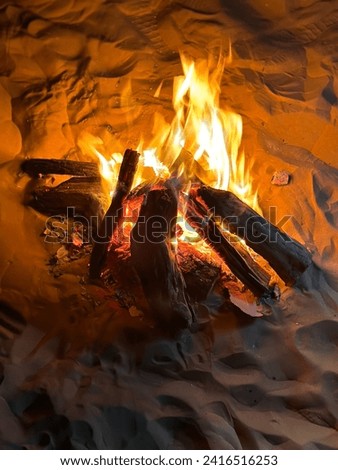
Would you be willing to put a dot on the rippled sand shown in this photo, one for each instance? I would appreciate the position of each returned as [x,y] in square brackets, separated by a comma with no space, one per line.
[76,370]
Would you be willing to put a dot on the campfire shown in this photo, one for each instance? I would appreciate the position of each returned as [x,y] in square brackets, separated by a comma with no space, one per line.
[182,210]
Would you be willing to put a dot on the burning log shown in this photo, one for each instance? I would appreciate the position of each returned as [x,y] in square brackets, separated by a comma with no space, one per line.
[114,214]
[154,260]
[239,262]
[36,167]
[286,256]
[200,273]
[84,194]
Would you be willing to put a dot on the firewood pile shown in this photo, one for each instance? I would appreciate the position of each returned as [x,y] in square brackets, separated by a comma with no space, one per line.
[175,275]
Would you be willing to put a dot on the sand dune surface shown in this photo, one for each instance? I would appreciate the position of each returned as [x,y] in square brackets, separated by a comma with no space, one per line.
[77,371]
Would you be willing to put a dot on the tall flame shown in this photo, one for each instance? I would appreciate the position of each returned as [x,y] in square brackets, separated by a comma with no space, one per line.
[209,135]
[205,130]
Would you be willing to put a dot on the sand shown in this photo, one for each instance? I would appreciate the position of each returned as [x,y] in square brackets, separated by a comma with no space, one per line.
[78,371]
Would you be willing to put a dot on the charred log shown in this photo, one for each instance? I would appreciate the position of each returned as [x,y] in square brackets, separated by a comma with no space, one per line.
[84,196]
[37,167]
[199,271]
[285,255]
[242,266]
[154,260]
[114,214]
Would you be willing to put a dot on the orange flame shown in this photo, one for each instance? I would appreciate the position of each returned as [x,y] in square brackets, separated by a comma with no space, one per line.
[210,135]
[200,126]
[89,146]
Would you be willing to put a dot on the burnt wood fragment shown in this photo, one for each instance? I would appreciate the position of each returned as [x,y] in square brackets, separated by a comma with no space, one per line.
[114,214]
[243,267]
[285,255]
[199,271]
[82,196]
[37,167]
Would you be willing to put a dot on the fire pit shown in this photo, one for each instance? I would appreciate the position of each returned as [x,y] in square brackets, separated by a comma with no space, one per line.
[161,193]
[168,183]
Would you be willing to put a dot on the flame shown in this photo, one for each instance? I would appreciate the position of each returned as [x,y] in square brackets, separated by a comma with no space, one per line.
[150,166]
[209,137]
[89,145]
[241,184]
[211,134]
[200,125]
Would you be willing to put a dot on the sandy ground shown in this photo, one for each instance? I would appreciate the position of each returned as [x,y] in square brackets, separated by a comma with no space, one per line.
[80,373]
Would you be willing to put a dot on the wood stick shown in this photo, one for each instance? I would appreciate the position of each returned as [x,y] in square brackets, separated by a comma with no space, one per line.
[248,272]
[154,260]
[285,255]
[114,214]
[84,194]
[35,167]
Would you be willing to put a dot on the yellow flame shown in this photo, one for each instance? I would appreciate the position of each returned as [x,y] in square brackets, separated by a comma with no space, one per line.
[211,135]
[109,169]
[241,183]
[150,160]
